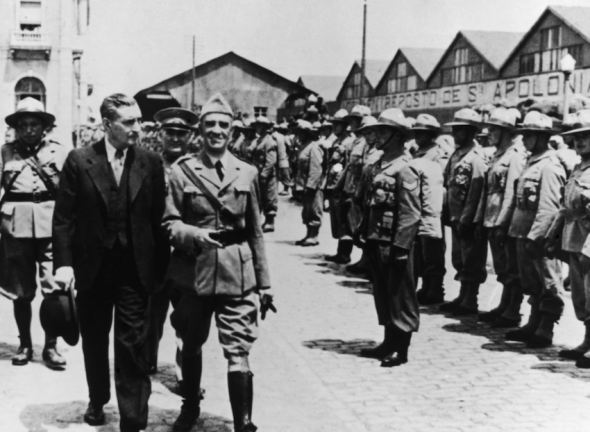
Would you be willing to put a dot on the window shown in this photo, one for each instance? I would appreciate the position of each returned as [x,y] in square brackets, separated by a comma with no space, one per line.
[260,111]
[401,82]
[29,87]
[412,83]
[463,71]
[461,56]
[550,53]
[356,80]
[30,15]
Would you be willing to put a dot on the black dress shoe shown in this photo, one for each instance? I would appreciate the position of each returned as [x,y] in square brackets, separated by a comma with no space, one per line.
[463,311]
[22,356]
[502,322]
[519,335]
[571,354]
[53,359]
[189,414]
[394,360]
[583,363]
[94,415]
[539,342]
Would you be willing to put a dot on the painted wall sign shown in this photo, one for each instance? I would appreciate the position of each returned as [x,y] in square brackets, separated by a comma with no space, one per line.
[546,87]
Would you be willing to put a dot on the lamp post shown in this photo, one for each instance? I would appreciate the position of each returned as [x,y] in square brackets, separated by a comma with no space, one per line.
[567,65]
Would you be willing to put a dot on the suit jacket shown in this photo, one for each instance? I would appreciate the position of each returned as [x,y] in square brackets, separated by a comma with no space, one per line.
[80,217]
[235,269]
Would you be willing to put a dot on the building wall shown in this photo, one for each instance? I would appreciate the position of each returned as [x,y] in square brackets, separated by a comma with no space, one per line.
[352,88]
[383,89]
[242,89]
[62,36]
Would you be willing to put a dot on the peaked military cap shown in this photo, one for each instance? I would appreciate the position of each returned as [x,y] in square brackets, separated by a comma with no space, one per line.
[176,118]
[30,106]
[216,105]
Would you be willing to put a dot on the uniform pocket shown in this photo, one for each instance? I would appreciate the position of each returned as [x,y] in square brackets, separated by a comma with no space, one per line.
[7,223]
[248,275]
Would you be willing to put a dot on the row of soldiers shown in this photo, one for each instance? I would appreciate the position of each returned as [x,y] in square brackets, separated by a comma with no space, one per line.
[392,185]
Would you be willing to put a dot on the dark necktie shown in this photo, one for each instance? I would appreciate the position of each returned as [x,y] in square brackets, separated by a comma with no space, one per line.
[118,165]
[219,169]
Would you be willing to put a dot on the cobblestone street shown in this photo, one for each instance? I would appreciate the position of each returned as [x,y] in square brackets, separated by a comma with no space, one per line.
[461,376]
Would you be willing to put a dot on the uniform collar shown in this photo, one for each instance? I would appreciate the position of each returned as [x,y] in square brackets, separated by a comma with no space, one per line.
[536,158]
[462,151]
[214,159]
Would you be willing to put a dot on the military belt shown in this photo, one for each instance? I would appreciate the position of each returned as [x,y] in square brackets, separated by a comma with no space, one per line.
[230,237]
[35,197]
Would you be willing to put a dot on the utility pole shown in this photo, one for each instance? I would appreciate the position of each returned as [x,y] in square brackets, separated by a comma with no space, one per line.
[364,48]
[192,107]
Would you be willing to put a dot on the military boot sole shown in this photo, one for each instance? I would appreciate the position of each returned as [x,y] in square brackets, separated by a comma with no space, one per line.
[309,242]
[539,342]
[393,361]
[571,354]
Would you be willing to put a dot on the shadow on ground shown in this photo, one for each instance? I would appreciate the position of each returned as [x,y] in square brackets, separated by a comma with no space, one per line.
[40,418]
[352,347]
[549,356]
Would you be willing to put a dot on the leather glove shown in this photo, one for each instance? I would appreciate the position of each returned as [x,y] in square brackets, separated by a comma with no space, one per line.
[266,304]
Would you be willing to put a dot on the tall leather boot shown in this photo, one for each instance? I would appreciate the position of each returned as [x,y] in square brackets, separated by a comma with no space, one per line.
[527,331]
[436,291]
[51,357]
[22,315]
[312,239]
[384,347]
[422,293]
[579,351]
[335,258]
[469,304]
[192,369]
[453,304]
[543,337]
[491,315]
[300,242]
[400,356]
[241,395]
[345,249]
[269,224]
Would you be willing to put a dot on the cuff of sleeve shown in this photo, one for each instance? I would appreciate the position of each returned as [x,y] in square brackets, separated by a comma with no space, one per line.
[185,238]
[430,227]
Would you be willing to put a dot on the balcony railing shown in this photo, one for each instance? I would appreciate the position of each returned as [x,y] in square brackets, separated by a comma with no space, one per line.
[32,39]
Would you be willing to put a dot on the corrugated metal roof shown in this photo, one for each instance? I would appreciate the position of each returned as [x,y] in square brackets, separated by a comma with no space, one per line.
[327,86]
[423,60]
[494,46]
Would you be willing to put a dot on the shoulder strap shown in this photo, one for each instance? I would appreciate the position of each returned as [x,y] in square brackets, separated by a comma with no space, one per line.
[217,205]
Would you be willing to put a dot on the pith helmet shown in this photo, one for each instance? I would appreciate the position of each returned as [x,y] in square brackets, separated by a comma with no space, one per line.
[426,122]
[501,117]
[535,121]
[358,111]
[581,123]
[367,122]
[465,117]
[216,105]
[31,106]
[392,117]
[340,116]
[176,118]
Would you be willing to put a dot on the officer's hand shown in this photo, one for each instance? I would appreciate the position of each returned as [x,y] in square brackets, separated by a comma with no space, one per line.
[203,239]
[266,304]
[64,277]
[500,235]
[585,263]
[479,232]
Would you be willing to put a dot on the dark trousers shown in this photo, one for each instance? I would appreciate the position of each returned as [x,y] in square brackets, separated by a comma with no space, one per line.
[469,257]
[158,312]
[312,211]
[429,255]
[117,288]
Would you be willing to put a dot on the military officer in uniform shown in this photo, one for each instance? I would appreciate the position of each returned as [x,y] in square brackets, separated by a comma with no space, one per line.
[538,201]
[265,159]
[404,200]
[176,129]
[284,172]
[29,175]
[309,182]
[496,210]
[464,182]
[430,251]
[236,136]
[575,232]
[213,220]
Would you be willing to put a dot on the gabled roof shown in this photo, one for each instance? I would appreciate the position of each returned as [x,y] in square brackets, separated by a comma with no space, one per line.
[494,47]
[423,60]
[327,86]
[228,58]
[374,70]
[578,19]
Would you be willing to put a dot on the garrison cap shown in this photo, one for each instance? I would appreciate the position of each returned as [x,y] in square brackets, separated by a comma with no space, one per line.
[501,117]
[465,117]
[426,122]
[176,118]
[216,105]
[535,121]
[581,122]
[30,106]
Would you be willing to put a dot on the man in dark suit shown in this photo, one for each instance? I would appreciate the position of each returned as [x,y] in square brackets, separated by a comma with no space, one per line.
[106,230]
